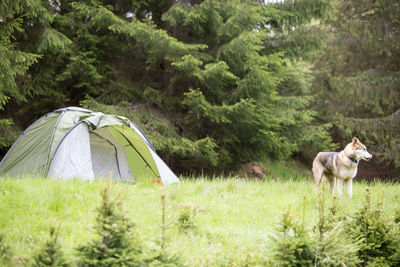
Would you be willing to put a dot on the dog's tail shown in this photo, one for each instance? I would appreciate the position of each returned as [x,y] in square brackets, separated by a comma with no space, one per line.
[317,171]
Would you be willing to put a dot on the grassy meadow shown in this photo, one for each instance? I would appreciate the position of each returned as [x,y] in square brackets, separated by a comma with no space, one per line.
[234,222]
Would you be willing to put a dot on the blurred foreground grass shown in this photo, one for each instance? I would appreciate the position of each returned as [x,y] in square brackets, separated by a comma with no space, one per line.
[236,217]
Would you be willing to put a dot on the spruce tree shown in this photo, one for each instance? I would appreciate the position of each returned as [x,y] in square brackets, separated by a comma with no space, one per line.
[222,82]
[293,245]
[250,98]
[378,239]
[334,247]
[210,68]
[50,253]
[14,61]
[357,76]
[115,244]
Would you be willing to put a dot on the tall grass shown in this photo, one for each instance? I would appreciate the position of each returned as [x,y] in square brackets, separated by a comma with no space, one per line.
[234,223]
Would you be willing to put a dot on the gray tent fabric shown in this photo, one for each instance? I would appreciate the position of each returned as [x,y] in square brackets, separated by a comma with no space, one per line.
[77,143]
[66,164]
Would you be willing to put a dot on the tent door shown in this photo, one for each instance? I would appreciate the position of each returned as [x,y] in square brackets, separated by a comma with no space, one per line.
[108,157]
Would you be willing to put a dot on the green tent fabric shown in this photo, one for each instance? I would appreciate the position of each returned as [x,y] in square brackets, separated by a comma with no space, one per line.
[138,152]
[75,142]
[30,153]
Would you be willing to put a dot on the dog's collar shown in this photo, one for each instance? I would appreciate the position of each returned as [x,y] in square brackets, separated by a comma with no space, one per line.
[352,159]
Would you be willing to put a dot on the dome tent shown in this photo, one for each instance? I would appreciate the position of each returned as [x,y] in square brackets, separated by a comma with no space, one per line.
[76,142]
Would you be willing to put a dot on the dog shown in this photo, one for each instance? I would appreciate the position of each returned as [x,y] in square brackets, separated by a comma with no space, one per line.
[339,167]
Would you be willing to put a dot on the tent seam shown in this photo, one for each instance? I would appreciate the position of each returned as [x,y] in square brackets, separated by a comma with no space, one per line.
[51,142]
[115,148]
[130,143]
[62,140]
[145,136]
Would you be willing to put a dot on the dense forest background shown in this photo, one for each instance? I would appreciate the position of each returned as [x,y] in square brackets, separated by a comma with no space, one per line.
[214,84]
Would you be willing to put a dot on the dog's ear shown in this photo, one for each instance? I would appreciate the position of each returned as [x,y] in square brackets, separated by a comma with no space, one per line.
[355,140]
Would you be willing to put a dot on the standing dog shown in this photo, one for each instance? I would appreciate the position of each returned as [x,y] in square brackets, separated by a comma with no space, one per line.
[339,167]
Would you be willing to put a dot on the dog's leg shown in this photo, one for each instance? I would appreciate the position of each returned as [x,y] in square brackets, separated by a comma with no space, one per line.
[332,183]
[339,186]
[349,186]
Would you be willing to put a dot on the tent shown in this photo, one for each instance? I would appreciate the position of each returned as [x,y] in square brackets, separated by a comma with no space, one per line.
[76,142]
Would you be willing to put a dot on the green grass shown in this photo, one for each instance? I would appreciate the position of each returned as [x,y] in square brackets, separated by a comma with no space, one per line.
[238,219]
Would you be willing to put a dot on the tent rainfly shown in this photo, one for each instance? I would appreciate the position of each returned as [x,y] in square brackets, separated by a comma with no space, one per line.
[78,143]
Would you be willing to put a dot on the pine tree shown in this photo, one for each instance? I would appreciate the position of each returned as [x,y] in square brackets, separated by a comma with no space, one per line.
[334,246]
[159,255]
[358,75]
[251,99]
[50,253]
[378,241]
[293,246]
[14,61]
[115,244]
[222,82]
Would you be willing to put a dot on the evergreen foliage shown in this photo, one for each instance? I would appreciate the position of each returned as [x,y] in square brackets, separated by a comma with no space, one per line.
[115,244]
[294,246]
[379,241]
[299,27]
[14,61]
[187,216]
[330,245]
[357,76]
[334,246]
[328,234]
[239,92]
[50,254]
[228,82]
[160,256]
[228,76]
